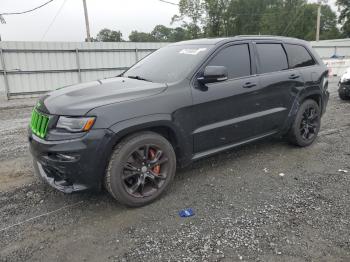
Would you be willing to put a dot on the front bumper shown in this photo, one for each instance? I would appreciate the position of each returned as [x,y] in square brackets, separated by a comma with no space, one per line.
[74,164]
[325,99]
[344,88]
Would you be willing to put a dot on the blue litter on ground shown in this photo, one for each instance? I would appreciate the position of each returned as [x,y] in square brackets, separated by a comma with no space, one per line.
[188,212]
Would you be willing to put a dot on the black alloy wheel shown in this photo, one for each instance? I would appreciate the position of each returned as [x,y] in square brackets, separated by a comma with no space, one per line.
[140,169]
[145,171]
[309,123]
[306,124]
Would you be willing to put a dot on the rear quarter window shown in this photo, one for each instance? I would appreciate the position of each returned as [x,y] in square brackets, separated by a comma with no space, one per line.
[298,56]
[272,58]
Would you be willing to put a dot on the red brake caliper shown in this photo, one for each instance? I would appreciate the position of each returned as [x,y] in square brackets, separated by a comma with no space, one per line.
[155,169]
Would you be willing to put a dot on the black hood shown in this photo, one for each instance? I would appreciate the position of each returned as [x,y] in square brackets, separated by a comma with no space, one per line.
[77,100]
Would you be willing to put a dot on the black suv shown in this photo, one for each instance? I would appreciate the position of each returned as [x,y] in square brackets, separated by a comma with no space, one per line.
[183,102]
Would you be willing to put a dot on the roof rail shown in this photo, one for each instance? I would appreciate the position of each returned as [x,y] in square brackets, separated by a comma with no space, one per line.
[261,36]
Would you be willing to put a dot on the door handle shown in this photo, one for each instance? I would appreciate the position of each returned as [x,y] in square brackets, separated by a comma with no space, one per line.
[294,76]
[249,85]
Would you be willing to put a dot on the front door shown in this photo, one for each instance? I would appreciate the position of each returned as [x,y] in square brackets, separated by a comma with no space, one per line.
[228,112]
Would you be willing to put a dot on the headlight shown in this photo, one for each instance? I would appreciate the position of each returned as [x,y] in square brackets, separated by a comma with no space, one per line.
[75,124]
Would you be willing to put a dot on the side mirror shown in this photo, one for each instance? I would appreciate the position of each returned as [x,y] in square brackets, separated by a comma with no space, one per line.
[213,74]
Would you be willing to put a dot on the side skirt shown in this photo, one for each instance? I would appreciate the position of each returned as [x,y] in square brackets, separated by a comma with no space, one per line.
[226,147]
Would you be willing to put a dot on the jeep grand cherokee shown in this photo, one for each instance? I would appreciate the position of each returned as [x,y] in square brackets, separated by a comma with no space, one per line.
[183,102]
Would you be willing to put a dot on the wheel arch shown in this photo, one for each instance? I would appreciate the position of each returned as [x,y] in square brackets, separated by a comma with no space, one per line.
[298,101]
[316,96]
[160,124]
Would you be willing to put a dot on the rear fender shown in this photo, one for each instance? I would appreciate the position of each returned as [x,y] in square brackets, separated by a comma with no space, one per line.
[299,99]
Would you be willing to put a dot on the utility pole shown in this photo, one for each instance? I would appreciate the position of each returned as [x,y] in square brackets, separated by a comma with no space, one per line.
[318,21]
[88,38]
[320,2]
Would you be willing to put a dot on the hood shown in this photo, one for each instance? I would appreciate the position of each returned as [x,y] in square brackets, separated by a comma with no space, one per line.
[77,100]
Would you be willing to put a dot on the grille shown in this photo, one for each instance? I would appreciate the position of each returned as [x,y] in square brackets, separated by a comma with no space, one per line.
[39,123]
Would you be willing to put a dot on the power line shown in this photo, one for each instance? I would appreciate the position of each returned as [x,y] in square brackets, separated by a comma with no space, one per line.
[27,11]
[53,20]
[167,2]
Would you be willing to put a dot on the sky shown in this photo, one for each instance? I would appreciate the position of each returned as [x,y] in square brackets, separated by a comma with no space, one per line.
[123,15]
[69,24]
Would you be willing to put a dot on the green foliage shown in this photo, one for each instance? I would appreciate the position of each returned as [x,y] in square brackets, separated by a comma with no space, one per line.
[295,18]
[219,18]
[178,34]
[107,35]
[136,36]
[344,17]
[160,33]
[329,28]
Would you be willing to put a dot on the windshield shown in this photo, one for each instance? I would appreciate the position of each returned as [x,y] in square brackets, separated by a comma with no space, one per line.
[168,64]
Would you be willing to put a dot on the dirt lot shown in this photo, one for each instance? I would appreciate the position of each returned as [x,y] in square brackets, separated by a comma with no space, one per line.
[244,209]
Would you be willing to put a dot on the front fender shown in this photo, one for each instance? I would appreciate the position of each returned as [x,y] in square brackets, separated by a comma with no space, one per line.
[183,146]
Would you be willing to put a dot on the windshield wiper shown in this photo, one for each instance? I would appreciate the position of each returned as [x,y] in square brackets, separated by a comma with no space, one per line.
[139,78]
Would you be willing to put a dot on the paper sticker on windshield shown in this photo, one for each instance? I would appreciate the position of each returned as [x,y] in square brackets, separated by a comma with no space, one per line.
[192,51]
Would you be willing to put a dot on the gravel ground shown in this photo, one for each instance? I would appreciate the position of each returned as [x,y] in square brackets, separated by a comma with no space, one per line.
[244,209]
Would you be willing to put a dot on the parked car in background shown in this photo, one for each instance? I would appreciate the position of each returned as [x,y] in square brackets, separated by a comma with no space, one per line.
[344,85]
[185,101]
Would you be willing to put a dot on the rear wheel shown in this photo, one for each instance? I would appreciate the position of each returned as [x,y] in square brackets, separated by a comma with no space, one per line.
[140,169]
[306,124]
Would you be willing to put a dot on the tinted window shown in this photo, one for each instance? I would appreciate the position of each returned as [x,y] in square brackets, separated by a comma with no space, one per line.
[236,58]
[298,56]
[272,58]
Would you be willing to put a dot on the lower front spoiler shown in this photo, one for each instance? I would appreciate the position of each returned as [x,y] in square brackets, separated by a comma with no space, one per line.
[344,88]
[61,185]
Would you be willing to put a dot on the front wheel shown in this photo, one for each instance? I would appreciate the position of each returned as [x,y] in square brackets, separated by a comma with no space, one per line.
[343,96]
[306,124]
[140,169]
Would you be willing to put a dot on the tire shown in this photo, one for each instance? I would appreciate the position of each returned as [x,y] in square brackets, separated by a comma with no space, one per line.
[41,180]
[343,96]
[304,131]
[126,177]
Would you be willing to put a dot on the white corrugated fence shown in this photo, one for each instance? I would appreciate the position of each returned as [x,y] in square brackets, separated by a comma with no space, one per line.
[35,67]
[335,54]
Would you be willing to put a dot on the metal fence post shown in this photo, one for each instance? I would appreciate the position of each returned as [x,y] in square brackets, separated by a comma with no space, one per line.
[7,94]
[136,55]
[78,64]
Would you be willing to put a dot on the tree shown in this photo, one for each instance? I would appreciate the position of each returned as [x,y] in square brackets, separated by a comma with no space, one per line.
[344,17]
[300,22]
[216,18]
[136,36]
[162,33]
[107,35]
[178,34]
[215,21]
[329,29]
[191,10]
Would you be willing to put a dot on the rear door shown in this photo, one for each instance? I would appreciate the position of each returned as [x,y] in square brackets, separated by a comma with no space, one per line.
[279,83]
[301,61]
